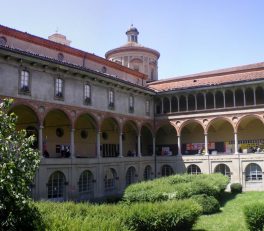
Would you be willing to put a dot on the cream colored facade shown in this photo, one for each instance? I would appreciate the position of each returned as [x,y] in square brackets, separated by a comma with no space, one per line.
[100,127]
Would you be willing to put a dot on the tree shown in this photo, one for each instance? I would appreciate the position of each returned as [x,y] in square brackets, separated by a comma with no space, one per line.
[18,165]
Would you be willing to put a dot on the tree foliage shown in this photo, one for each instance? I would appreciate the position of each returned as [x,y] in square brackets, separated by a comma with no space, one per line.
[18,165]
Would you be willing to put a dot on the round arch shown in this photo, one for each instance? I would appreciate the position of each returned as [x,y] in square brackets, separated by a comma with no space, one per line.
[250,134]
[166,140]
[192,137]
[148,174]
[220,132]
[110,131]
[146,140]
[56,134]
[130,138]
[131,176]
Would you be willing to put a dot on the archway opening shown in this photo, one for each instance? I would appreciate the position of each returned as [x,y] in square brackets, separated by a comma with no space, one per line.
[85,136]
[250,135]
[166,141]
[191,103]
[220,137]
[146,141]
[109,138]
[56,136]
[259,95]
[158,106]
[239,95]
[192,138]
[183,106]
[249,93]
[129,138]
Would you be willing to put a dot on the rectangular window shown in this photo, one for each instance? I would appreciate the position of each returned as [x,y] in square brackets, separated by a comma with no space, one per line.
[131,104]
[87,94]
[147,107]
[24,81]
[111,99]
[59,88]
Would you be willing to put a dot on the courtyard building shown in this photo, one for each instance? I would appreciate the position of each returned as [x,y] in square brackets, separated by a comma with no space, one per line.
[104,123]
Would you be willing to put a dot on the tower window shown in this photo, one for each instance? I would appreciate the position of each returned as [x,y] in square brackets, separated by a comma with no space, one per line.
[147,107]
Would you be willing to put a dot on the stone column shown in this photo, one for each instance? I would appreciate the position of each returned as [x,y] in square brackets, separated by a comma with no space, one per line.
[244,95]
[154,145]
[254,92]
[98,144]
[236,143]
[170,104]
[139,145]
[195,98]
[179,145]
[178,101]
[40,140]
[120,145]
[206,143]
[72,149]
[187,102]
[162,108]
[234,97]
[224,98]
[204,100]
[214,100]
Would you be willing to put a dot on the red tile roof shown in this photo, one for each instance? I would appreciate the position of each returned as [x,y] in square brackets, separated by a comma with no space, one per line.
[213,78]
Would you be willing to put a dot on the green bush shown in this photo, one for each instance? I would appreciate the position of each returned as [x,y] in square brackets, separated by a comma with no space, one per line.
[254,215]
[169,216]
[236,188]
[208,203]
[176,187]
[18,165]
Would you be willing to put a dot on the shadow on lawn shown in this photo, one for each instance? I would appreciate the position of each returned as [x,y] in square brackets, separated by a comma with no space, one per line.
[227,196]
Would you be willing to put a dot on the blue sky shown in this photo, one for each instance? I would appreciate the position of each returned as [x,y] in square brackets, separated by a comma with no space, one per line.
[191,35]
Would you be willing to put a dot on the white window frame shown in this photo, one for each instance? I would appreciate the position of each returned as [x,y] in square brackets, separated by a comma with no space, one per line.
[86,182]
[59,88]
[87,93]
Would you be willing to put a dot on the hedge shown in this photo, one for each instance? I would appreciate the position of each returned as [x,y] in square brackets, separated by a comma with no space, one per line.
[208,203]
[236,188]
[254,215]
[67,216]
[176,187]
[167,216]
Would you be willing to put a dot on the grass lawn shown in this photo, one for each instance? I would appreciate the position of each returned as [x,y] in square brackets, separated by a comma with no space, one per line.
[231,217]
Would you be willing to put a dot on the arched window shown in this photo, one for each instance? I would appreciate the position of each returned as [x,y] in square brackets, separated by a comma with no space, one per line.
[166,170]
[110,180]
[200,101]
[219,99]
[253,172]
[191,103]
[147,173]
[86,182]
[174,104]
[56,186]
[193,169]
[166,105]
[229,98]
[224,169]
[24,81]
[130,176]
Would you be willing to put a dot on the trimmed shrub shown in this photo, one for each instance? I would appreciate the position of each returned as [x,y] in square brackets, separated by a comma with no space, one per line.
[176,187]
[169,216]
[208,203]
[236,188]
[254,215]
